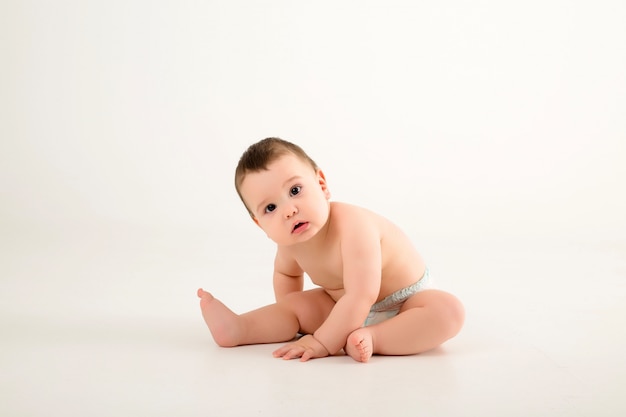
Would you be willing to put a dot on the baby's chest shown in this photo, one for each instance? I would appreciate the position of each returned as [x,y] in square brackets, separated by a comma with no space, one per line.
[324,271]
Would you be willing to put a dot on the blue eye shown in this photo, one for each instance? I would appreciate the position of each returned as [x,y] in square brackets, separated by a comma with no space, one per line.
[295,190]
[270,208]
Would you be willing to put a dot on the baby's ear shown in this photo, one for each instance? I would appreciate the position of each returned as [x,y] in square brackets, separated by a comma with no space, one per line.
[321,178]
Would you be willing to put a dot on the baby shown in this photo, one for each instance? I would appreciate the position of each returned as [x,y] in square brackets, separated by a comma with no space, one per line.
[374,295]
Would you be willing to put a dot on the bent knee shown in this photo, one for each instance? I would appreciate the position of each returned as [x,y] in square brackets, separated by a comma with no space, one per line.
[457,313]
[452,313]
[447,309]
[311,308]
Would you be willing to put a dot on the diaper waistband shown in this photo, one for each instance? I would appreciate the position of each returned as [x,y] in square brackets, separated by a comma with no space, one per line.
[397,298]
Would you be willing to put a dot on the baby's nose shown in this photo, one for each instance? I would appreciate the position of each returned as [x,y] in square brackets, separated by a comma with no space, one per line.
[291,211]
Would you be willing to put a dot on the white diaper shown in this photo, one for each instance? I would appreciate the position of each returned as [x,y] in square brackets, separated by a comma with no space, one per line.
[390,305]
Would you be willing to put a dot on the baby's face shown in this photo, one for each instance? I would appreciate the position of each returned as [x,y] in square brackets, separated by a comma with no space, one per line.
[289,201]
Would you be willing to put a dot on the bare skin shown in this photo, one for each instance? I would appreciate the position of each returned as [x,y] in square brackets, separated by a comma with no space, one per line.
[360,345]
[300,312]
[355,256]
[230,329]
[222,322]
[227,332]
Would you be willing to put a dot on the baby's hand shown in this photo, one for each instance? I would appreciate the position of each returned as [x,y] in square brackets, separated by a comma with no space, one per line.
[305,348]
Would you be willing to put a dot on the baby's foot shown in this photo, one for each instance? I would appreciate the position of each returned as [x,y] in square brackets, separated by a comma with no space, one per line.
[360,345]
[223,323]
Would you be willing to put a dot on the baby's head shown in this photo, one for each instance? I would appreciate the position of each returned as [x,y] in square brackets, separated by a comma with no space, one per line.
[261,154]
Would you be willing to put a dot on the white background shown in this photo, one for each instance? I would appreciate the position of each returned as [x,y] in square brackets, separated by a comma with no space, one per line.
[467,118]
[468,123]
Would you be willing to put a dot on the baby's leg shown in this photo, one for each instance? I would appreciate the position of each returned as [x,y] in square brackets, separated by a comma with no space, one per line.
[426,320]
[268,324]
[274,323]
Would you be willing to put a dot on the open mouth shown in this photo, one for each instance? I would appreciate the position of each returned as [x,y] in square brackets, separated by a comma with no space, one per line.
[298,227]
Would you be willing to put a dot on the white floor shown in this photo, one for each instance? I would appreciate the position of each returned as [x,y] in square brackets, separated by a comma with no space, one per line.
[105,323]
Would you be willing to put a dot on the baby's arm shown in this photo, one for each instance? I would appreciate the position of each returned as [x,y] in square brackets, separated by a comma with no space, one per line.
[362,266]
[288,276]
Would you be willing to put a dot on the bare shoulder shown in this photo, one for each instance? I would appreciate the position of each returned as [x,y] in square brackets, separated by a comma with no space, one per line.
[348,216]
[345,210]
[360,222]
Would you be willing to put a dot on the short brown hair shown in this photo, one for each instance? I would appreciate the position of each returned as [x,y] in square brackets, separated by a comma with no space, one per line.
[259,155]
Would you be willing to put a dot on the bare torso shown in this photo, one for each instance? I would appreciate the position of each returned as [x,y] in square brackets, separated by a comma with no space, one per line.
[321,259]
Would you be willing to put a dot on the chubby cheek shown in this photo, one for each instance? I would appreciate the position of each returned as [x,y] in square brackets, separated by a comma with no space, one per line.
[272,231]
[323,208]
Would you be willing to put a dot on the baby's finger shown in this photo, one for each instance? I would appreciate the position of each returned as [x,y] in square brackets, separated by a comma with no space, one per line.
[281,351]
[288,351]
[308,354]
[295,352]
